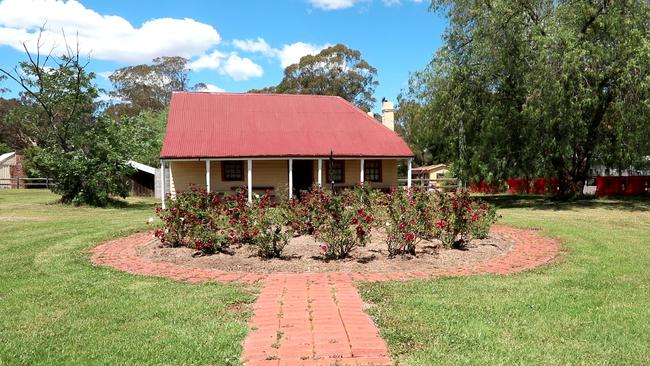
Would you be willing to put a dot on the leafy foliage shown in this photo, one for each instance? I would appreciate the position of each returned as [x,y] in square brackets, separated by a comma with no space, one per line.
[4,148]
[211,222]
[153,125]
[416,214]
[336,70]
[535,88]
[94,170]
[84,153]
[148,87]
[343,229]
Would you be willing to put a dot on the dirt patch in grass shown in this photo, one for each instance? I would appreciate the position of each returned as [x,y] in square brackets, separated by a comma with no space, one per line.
[302,254]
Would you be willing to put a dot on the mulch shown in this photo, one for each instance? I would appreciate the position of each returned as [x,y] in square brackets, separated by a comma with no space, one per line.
[302,254]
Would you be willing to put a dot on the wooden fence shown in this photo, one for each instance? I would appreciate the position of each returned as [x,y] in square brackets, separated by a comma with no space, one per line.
[24,182]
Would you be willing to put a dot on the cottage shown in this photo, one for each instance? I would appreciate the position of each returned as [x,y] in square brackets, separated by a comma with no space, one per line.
[222,141]
[431,175]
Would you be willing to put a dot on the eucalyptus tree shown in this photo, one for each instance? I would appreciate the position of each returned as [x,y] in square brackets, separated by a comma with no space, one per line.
[336,70]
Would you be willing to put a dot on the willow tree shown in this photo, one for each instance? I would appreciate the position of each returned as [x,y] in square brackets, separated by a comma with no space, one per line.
[541,87]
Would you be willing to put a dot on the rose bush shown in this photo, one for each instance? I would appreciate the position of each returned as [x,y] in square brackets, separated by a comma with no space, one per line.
[211,222]
[416,214]
[191,221]
[305,215]
[343,229]
[482,219]
[269,237]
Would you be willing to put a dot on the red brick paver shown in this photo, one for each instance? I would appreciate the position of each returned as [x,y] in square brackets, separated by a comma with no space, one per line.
[317,318]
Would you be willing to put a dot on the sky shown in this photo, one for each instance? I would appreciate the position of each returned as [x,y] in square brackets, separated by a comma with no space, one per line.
[233,45]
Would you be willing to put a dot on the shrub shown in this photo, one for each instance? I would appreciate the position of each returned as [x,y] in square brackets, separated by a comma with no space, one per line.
[305,215]
[343,228]
[363,196]
[269,237]
[404,225]
[453,218]
[482,219]
[193,219]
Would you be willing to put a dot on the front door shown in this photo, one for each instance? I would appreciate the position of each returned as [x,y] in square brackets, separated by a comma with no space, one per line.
[302,176]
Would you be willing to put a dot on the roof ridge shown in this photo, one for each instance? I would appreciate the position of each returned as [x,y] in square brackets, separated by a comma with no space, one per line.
[257,94]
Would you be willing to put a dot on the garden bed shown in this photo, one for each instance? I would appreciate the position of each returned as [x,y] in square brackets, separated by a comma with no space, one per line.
[302,254]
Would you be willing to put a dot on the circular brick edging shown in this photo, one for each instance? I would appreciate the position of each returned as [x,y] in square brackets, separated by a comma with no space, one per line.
[531,250]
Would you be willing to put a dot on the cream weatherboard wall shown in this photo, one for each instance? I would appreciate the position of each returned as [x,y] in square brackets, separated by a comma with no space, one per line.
[266,173]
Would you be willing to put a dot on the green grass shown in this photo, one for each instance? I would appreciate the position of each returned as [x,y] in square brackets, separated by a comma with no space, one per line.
[590,307]
[56,308]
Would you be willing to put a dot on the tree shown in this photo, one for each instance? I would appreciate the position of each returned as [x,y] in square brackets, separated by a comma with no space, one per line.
[9,134]
[151,136]
[3,90]
[540,87]
[84,153]
[148,87]
[336,70]
[4,148]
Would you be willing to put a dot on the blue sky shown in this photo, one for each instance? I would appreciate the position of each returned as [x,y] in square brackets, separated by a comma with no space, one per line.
[233,45]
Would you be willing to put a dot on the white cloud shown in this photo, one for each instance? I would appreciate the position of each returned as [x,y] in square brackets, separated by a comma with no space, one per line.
[288,54]
[105,37]
[208,61]
[345,4]
[240,68]
[291,53]
[105,74]
[332,4]
[254,45]
[212,89]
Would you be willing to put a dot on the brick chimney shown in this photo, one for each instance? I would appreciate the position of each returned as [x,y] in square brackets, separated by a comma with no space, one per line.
[387,114]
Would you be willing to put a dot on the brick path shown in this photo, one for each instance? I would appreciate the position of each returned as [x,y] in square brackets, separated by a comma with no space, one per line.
[317,318]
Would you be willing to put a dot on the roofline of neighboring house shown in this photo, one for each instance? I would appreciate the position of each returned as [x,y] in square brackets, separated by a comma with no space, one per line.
[294,157]
[7,156]
[429,167]
[141,167]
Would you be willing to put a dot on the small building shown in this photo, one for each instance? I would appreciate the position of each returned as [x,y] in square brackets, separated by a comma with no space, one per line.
[142,181]
[431,176]
[11,170]
[223,141]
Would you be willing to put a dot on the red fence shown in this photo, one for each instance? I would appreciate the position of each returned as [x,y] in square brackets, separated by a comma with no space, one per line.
[622,186]
[605,186]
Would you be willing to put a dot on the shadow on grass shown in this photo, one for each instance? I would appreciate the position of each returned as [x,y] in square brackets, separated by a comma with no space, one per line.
[547,203]
[132,203]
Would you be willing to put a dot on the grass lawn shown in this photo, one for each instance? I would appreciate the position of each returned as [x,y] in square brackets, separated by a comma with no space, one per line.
[56,308]
[590,307]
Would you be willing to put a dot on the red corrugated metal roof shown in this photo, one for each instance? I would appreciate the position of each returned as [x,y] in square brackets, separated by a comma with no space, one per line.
[225,125]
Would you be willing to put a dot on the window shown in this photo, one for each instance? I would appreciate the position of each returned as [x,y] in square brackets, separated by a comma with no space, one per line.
[372,170]
[336,171]
[232,170]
